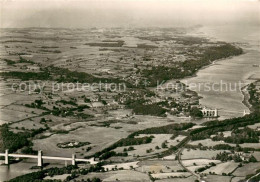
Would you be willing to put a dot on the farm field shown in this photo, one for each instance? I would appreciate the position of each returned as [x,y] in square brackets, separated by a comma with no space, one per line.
[199,154]
[208,142]
[199,162]
[217,178]
[157,141]
[86,134]
[226,167]
[188,179]
[128,165]
[170,175]
[121,175]
[237,179]
[247,169]
[257,155]
[157,166]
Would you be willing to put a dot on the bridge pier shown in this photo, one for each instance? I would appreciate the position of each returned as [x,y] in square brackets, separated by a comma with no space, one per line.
[39,158]
[6,157]
[73,161]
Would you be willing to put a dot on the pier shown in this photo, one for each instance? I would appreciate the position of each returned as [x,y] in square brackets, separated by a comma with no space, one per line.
[40,158]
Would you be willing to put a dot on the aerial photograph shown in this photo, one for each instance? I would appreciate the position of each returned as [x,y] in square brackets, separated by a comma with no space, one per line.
[130,90]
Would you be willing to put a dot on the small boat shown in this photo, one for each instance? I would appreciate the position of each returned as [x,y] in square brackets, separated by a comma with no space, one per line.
[256,65]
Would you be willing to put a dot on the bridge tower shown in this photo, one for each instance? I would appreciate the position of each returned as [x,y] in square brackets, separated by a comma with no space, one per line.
[40,158]
[216,113]
[73,161]
[6,157]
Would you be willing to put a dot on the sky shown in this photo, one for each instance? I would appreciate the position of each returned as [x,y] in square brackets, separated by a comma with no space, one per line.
[127,13]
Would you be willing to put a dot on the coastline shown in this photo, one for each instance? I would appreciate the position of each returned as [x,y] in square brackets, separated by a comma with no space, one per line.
[244,91]
[211,64]
[246,96]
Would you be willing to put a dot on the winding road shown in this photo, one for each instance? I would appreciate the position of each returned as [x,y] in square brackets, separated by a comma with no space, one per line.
[178,153]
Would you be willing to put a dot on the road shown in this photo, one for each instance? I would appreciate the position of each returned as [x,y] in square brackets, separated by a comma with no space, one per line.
[252,177]
[178,153]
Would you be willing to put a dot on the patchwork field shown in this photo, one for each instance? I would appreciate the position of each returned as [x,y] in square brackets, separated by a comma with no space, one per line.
[154,147]
[157,166]
[86,134]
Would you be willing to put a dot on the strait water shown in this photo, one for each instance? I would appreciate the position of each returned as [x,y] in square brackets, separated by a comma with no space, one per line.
[220,82]
[14,170]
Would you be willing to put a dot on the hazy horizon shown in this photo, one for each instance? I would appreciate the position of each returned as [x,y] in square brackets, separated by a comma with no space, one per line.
[127,13]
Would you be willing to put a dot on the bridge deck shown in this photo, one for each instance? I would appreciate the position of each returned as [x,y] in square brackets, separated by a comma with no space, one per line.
[91,161]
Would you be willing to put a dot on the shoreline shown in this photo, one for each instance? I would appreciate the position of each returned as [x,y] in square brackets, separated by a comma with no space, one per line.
[244,91]
[211,64]
[202,68]
[247,104]
[246,96]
